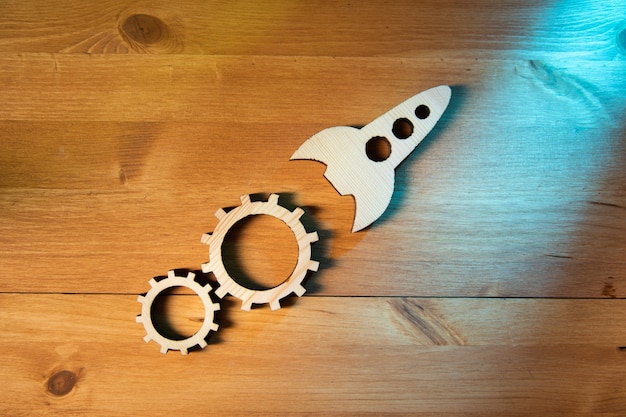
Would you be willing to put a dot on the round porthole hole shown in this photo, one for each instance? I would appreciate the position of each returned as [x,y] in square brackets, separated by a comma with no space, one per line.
[378,149]
[422,111]
[402,128]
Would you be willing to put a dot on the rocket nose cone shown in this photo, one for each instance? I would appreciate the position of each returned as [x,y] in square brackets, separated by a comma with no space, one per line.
[445,91]
[437,98]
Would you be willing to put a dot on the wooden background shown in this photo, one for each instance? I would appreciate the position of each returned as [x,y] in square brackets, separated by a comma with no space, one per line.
[495,284]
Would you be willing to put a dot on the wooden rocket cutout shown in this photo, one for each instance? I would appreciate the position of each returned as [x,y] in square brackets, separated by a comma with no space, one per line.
[362,162]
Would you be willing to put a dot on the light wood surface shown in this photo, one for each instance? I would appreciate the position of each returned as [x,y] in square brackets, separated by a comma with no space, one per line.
[494,284]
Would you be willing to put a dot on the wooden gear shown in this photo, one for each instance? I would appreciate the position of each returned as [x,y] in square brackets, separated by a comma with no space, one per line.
[157,287]
[248,296]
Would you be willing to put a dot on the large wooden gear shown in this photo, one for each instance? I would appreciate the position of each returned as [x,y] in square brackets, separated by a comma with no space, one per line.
[271,296]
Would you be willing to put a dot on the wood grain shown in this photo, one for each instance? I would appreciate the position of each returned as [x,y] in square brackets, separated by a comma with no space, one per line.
[224,88]
[493,285]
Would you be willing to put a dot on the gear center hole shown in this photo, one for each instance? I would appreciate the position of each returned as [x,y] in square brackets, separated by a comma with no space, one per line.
[260,252]
[177,313]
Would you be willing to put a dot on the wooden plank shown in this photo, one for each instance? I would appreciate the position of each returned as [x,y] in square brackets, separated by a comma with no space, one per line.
[324,28]
[336,356]
[217,89]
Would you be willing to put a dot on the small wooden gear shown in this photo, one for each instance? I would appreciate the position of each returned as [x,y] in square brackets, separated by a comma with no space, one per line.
[272,296]
[157,287]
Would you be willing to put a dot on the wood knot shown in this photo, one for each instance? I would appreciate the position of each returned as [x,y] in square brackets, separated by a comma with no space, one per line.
[144,29]
[147,33]
[62,382]
[609,289]
[621,38]
[426,326]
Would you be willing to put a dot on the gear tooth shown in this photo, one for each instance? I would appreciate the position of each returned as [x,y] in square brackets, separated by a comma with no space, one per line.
[275,305]
[214,326]
[152,282]
[183,351]
[312,237]
[216,307]
[246,305]
[299,290]
[220,213]
[206,267]
[245,199]
[313,265]
[273,199]
[147,338]
[171,274]
[139,319]
[206,238]
[164,349]
[140,298]
[221,292]
[191,275]
[202,343]
[297,213]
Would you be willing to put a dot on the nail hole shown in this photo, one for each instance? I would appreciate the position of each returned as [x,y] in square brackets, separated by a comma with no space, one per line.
[422,111]
[260,252]
[176,315]
[402,128]
[378,149]
[61,383]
